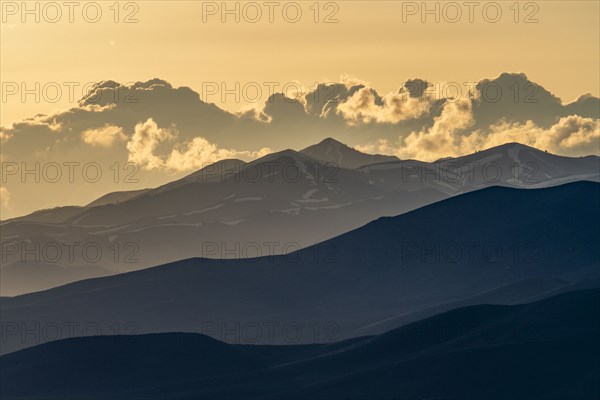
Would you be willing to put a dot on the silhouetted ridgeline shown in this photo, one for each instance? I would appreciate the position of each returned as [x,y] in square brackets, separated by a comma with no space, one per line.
[544,350]
[496,245]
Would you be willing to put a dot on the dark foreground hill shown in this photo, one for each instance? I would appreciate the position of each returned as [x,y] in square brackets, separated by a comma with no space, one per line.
[543,350]
[496,245]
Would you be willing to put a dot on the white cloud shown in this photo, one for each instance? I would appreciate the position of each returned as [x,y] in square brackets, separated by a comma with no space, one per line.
[444,137]
[4,197]
[96,108]
[381,146]
[143,144]
[200,152]
[105,136]
[570,136]
[351,80]
[396,107]
[4,136]
[258,154]
[48,121]
[191,155]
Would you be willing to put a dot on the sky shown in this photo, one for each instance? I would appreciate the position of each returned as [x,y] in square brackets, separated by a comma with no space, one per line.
[260,63]
[381,42]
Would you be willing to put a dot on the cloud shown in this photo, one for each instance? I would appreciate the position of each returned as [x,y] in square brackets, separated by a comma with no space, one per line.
[144,142]
[444,137]
[4,197]
[283,109]
[381,146]
[572,135]
[105,136]
[324,99]
[41,120]
[351,80]
[4,136]
[362,107]
[187,156]
[349,110]
[200,152]
[167,130]
[416,87]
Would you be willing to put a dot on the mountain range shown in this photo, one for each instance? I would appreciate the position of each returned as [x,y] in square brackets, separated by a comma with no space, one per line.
[499,245]
[548,349]
[234,210]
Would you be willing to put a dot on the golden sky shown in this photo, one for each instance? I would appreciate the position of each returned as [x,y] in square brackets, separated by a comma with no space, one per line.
[271,45]
[381,42]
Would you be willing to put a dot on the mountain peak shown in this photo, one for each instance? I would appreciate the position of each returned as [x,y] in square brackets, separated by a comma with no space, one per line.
[333,151]
[514,146]
[286,157]
[329,141]
[510,150]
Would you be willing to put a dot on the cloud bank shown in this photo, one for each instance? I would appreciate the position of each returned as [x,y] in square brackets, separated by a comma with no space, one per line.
[166,132]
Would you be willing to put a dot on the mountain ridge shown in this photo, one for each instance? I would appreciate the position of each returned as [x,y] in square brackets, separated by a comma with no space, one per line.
[334,151]
[461,344]
[379,272]
[279,198]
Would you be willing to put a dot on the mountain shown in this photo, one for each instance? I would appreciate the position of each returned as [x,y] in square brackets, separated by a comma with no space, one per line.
[510,164]
[522,166]
[35,275]
[230,209]
[502,244]
[215,172]
[116,197]
[548,349]
[331,151]
[274,205]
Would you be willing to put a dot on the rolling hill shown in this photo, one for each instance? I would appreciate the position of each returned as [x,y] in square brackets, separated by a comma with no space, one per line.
[543,350]
[506,245]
